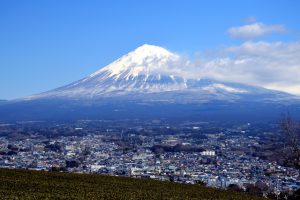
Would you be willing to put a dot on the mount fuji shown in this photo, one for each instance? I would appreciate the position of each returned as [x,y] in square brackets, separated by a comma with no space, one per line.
[149,82]
[151,70]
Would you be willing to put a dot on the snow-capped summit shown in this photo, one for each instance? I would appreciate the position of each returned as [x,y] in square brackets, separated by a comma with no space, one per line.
[148,68]
[145,60]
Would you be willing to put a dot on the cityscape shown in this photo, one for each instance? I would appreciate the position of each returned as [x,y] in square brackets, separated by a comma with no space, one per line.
[217,155]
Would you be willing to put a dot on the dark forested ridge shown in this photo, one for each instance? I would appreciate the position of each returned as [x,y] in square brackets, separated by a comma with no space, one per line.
[24,184]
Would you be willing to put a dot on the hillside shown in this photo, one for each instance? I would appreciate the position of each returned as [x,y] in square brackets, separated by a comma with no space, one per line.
[22,184]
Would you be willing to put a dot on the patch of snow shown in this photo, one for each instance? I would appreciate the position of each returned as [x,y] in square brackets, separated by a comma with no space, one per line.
[214,87]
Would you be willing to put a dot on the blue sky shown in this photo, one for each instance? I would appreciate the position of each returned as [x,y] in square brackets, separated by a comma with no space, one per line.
[47,44]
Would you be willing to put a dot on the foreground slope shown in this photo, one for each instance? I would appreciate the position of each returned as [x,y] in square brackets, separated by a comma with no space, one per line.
[21,184]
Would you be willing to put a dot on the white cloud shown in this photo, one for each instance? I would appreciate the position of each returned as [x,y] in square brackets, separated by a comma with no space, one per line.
[274,65]
[254,30]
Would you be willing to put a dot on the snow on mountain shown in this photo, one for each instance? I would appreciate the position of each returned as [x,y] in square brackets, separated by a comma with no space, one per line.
[148,69]
[214,87]
[145,60]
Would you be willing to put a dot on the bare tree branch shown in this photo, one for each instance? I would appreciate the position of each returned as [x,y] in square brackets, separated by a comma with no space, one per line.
[291,131]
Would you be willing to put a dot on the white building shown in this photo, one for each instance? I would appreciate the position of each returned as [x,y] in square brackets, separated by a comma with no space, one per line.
[208,153]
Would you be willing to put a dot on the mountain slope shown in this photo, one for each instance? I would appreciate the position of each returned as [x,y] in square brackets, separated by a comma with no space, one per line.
[150,82]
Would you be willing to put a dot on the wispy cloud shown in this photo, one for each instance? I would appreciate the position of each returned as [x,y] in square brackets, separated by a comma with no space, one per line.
[254,30]
[274,65]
